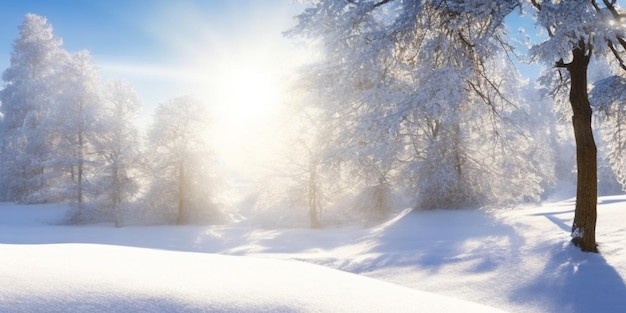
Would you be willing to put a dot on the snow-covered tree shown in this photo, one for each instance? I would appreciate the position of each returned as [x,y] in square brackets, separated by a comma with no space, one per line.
[609,96]
[75,127]
[301,185]
[182,162]
[576,30]
[29,93]
[424,97]
[378,43]
[120,147]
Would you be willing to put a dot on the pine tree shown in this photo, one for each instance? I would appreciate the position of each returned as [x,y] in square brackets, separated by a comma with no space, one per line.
[29,94]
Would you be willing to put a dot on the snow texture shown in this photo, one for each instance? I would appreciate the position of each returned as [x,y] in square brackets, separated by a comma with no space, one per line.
[516,260]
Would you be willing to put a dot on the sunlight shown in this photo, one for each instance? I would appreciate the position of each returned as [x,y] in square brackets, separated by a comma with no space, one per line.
[245,93]
[250,94]
[240,74]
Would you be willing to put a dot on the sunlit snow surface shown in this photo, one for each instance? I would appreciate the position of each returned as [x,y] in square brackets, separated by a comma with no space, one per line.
[90,278]
[516,260]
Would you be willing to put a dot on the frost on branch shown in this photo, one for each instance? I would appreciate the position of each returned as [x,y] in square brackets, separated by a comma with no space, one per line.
[609,100]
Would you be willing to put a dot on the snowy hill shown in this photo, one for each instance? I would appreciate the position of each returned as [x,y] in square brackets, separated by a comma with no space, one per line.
[90,278]
[516,260]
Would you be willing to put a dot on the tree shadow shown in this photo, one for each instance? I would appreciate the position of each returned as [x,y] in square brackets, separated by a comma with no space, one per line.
[431,240]
[609,200]
[574,282]
[561,223]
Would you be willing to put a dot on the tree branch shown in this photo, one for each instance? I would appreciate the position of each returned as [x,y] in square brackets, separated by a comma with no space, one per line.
[471,45]
[622,42]
[617,56]
[611,7]
[381,3]
[561,64]
[595,5]
[536,4]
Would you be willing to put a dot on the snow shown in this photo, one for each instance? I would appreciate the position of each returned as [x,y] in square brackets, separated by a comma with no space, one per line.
[515,260]
[89,277]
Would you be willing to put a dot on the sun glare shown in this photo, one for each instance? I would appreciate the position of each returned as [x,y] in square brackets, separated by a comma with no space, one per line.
[247,95]
[236,62]
[249,92]
[246,98]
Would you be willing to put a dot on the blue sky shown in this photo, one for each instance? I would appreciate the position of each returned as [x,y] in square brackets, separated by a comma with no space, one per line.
[153,43]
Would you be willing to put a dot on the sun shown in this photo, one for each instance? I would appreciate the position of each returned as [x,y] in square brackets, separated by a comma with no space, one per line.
[246,97]
[247,84]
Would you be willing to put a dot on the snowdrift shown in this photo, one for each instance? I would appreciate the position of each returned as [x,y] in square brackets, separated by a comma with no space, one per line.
[100,278]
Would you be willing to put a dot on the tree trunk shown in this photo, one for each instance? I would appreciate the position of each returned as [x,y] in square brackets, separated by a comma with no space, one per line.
[313,205]
[181,192]
[584,226]
[117,194]
[81,162]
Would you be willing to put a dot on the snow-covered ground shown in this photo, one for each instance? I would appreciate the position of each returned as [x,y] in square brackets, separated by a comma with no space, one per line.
[515,260]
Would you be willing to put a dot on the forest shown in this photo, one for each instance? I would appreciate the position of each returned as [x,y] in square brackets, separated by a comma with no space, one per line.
[411,104]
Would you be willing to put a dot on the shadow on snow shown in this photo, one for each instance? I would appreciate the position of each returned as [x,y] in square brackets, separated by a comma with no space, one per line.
[575,282]
[431,240]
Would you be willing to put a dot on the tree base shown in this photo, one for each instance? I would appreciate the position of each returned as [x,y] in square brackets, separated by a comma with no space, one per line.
[578,242]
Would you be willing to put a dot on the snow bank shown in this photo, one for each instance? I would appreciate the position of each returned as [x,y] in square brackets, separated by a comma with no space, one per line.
[91,278]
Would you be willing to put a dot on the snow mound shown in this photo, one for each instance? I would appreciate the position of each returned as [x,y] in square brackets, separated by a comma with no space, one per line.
[90,278]
[394,220]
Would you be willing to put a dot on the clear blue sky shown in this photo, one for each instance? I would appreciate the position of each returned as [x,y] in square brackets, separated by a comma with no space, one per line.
[151,42]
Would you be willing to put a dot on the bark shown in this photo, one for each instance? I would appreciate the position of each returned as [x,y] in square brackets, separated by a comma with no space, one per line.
[584,225]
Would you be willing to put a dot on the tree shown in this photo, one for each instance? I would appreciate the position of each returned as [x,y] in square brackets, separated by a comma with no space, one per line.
[424,97]
[371,40]
[302,183]
[120,146]
[74,155]
[181,162]
[576,31]
[29,94]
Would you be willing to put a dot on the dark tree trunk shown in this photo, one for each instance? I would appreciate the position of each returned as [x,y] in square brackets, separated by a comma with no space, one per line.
[584,226]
